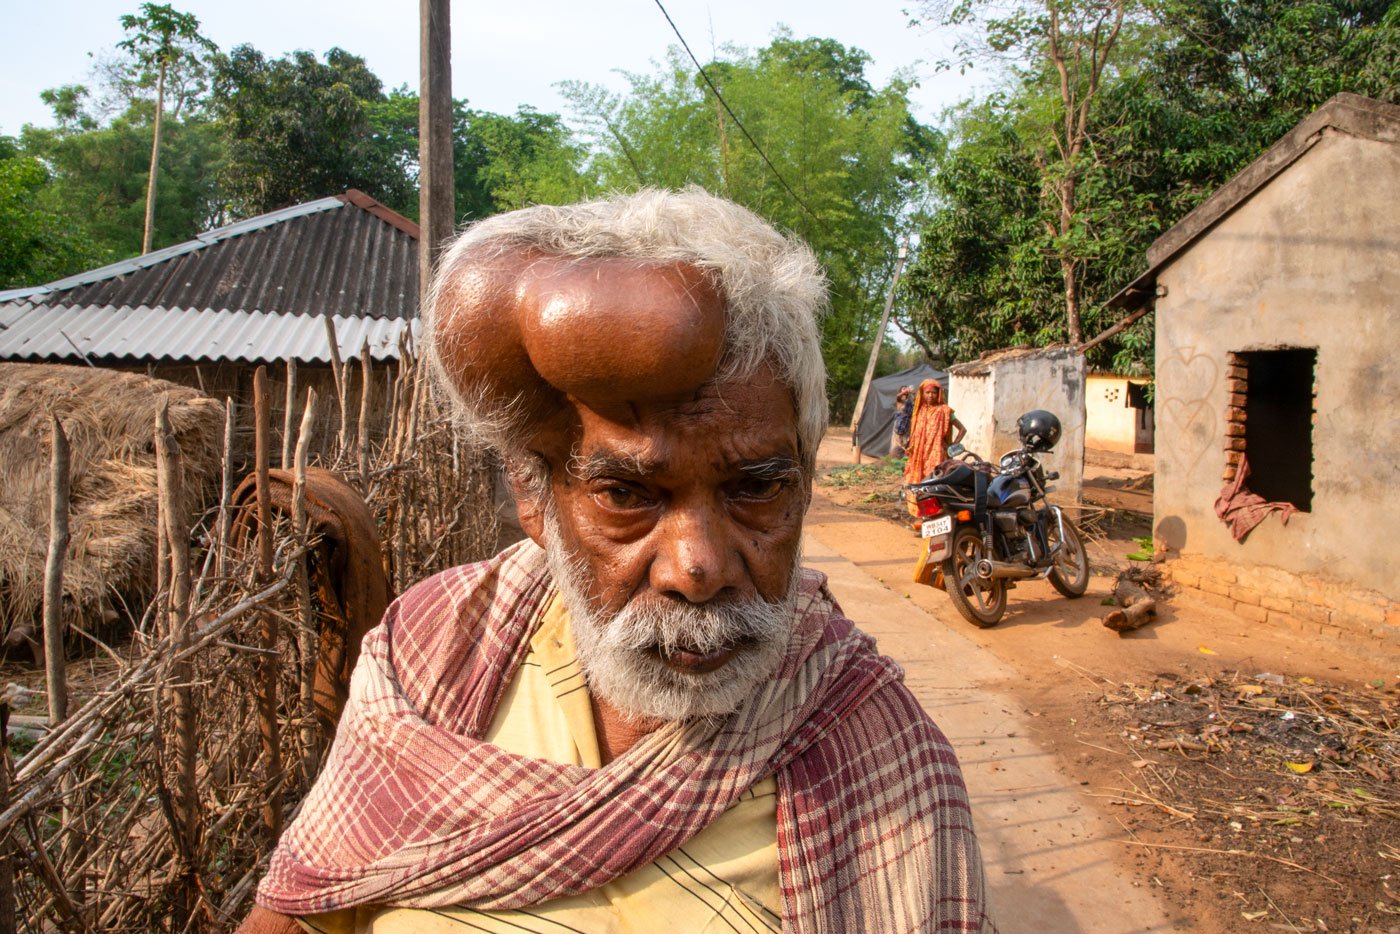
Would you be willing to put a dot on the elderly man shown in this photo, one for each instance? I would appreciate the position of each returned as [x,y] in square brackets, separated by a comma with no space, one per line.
[647,715]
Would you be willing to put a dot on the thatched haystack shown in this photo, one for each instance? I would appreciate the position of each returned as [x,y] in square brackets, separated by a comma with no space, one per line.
[109,418]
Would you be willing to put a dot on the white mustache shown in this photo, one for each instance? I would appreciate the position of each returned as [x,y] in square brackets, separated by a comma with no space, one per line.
[703,628]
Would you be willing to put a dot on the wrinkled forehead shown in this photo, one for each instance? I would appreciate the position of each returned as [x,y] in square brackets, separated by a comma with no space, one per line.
[740,420]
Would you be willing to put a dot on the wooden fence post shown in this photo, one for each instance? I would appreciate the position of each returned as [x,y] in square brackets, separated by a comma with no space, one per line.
[55,660]
[267,673]
[363,436]
[342,391]
[7,863]
[307,635]
[225,498]
[289,416]
[174,514]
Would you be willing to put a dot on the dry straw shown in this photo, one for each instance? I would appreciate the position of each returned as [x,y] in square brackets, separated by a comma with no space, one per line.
[107,416]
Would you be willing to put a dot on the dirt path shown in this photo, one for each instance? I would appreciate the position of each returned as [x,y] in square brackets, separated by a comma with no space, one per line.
[1051,859]
[1074,690]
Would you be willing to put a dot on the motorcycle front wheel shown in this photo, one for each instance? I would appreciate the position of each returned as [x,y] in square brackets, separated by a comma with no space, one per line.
[1070,575]
[981,602]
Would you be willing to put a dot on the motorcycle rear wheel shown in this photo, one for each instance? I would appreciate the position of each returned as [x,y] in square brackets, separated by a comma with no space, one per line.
[1070,576]
[981,602]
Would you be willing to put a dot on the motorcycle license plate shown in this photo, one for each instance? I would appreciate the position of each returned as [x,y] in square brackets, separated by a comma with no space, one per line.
[940,526]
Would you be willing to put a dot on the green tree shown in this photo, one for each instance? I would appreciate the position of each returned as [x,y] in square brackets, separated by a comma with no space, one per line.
[981,278]
[36,245]
[298,128]
[97,173]
[507,162]
[161,38]
[810,145]
[500,162]
[98,176]
[1067,49]
[1197,91]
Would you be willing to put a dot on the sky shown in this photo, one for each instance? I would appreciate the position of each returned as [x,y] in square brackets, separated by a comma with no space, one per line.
[504,53]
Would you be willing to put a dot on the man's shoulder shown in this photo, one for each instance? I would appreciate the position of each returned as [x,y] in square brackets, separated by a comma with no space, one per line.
[890,713]
[453,637]
[504,578]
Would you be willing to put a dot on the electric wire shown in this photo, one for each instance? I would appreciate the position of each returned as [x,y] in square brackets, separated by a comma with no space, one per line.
[737,122]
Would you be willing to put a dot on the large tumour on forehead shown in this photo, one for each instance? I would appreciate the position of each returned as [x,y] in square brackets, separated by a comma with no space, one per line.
[525,331]
[623,655]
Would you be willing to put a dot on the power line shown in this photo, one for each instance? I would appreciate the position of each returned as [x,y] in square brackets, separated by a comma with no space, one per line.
[725,104]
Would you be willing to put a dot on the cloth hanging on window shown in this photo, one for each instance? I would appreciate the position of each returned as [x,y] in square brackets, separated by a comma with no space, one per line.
[1242,509]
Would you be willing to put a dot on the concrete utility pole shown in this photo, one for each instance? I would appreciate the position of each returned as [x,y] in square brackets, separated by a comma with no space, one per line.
[435,197]
[875,351]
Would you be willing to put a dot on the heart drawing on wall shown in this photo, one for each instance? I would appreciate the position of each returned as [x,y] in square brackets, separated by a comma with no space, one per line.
[1189,379]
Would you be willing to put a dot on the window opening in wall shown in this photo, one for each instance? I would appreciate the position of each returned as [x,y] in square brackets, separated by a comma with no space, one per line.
[1278,420]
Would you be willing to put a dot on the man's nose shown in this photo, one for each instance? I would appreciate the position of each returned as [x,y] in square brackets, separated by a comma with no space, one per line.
[695,558]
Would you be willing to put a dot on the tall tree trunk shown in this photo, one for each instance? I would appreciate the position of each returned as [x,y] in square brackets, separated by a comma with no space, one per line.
[1069,265]
[155,163]
[1079,84]
[723,146]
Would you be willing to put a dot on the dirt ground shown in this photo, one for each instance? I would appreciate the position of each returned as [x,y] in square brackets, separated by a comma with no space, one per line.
[1255,774]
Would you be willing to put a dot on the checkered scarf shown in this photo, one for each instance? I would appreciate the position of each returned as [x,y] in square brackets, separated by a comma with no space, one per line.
[414,809]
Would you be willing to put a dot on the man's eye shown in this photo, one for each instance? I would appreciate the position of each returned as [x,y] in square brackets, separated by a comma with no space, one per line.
[759,488]
[621,497]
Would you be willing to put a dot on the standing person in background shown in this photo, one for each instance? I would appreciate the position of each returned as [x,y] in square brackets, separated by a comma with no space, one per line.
[903,413]
[932,423]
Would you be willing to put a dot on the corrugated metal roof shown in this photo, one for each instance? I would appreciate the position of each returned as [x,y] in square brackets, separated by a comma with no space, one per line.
[31,332]
[347,255]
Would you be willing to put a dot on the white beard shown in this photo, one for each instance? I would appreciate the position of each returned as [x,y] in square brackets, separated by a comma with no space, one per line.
[618,654]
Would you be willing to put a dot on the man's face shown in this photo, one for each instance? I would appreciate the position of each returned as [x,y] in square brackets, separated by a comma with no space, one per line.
[694,501]
[682,525]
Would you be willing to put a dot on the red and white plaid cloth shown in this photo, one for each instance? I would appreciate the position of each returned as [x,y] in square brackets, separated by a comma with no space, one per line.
[1242,509]
[413,809]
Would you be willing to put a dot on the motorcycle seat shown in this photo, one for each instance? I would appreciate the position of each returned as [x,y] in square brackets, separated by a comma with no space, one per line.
[959,476]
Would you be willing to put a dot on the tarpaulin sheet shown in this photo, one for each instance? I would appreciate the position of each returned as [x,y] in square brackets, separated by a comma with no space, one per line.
[877,418]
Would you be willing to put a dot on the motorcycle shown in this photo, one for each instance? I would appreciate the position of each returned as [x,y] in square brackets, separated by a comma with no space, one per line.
[987,526]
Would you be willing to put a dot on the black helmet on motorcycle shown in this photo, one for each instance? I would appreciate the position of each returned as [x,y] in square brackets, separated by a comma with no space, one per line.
[1039,430]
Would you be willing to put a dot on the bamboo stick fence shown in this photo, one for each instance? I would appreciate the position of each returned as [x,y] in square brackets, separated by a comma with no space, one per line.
[152,803]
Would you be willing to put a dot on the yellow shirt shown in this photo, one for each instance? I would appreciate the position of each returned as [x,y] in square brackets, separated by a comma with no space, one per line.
[724,879]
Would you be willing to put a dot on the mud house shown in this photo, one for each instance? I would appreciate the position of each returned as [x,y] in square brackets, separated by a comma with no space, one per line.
[207,312]
[991,393]
[1276,304]
[1117,414]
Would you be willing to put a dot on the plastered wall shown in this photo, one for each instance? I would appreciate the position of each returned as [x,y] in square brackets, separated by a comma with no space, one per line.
[989,396]
[1110,423]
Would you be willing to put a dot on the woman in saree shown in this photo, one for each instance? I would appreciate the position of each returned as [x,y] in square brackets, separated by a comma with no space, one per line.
[932,429]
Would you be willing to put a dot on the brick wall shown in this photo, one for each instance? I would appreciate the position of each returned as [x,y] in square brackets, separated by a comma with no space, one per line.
[1304,603]
[1237,387]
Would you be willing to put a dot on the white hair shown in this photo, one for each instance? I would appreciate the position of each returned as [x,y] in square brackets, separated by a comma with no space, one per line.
[773,288]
